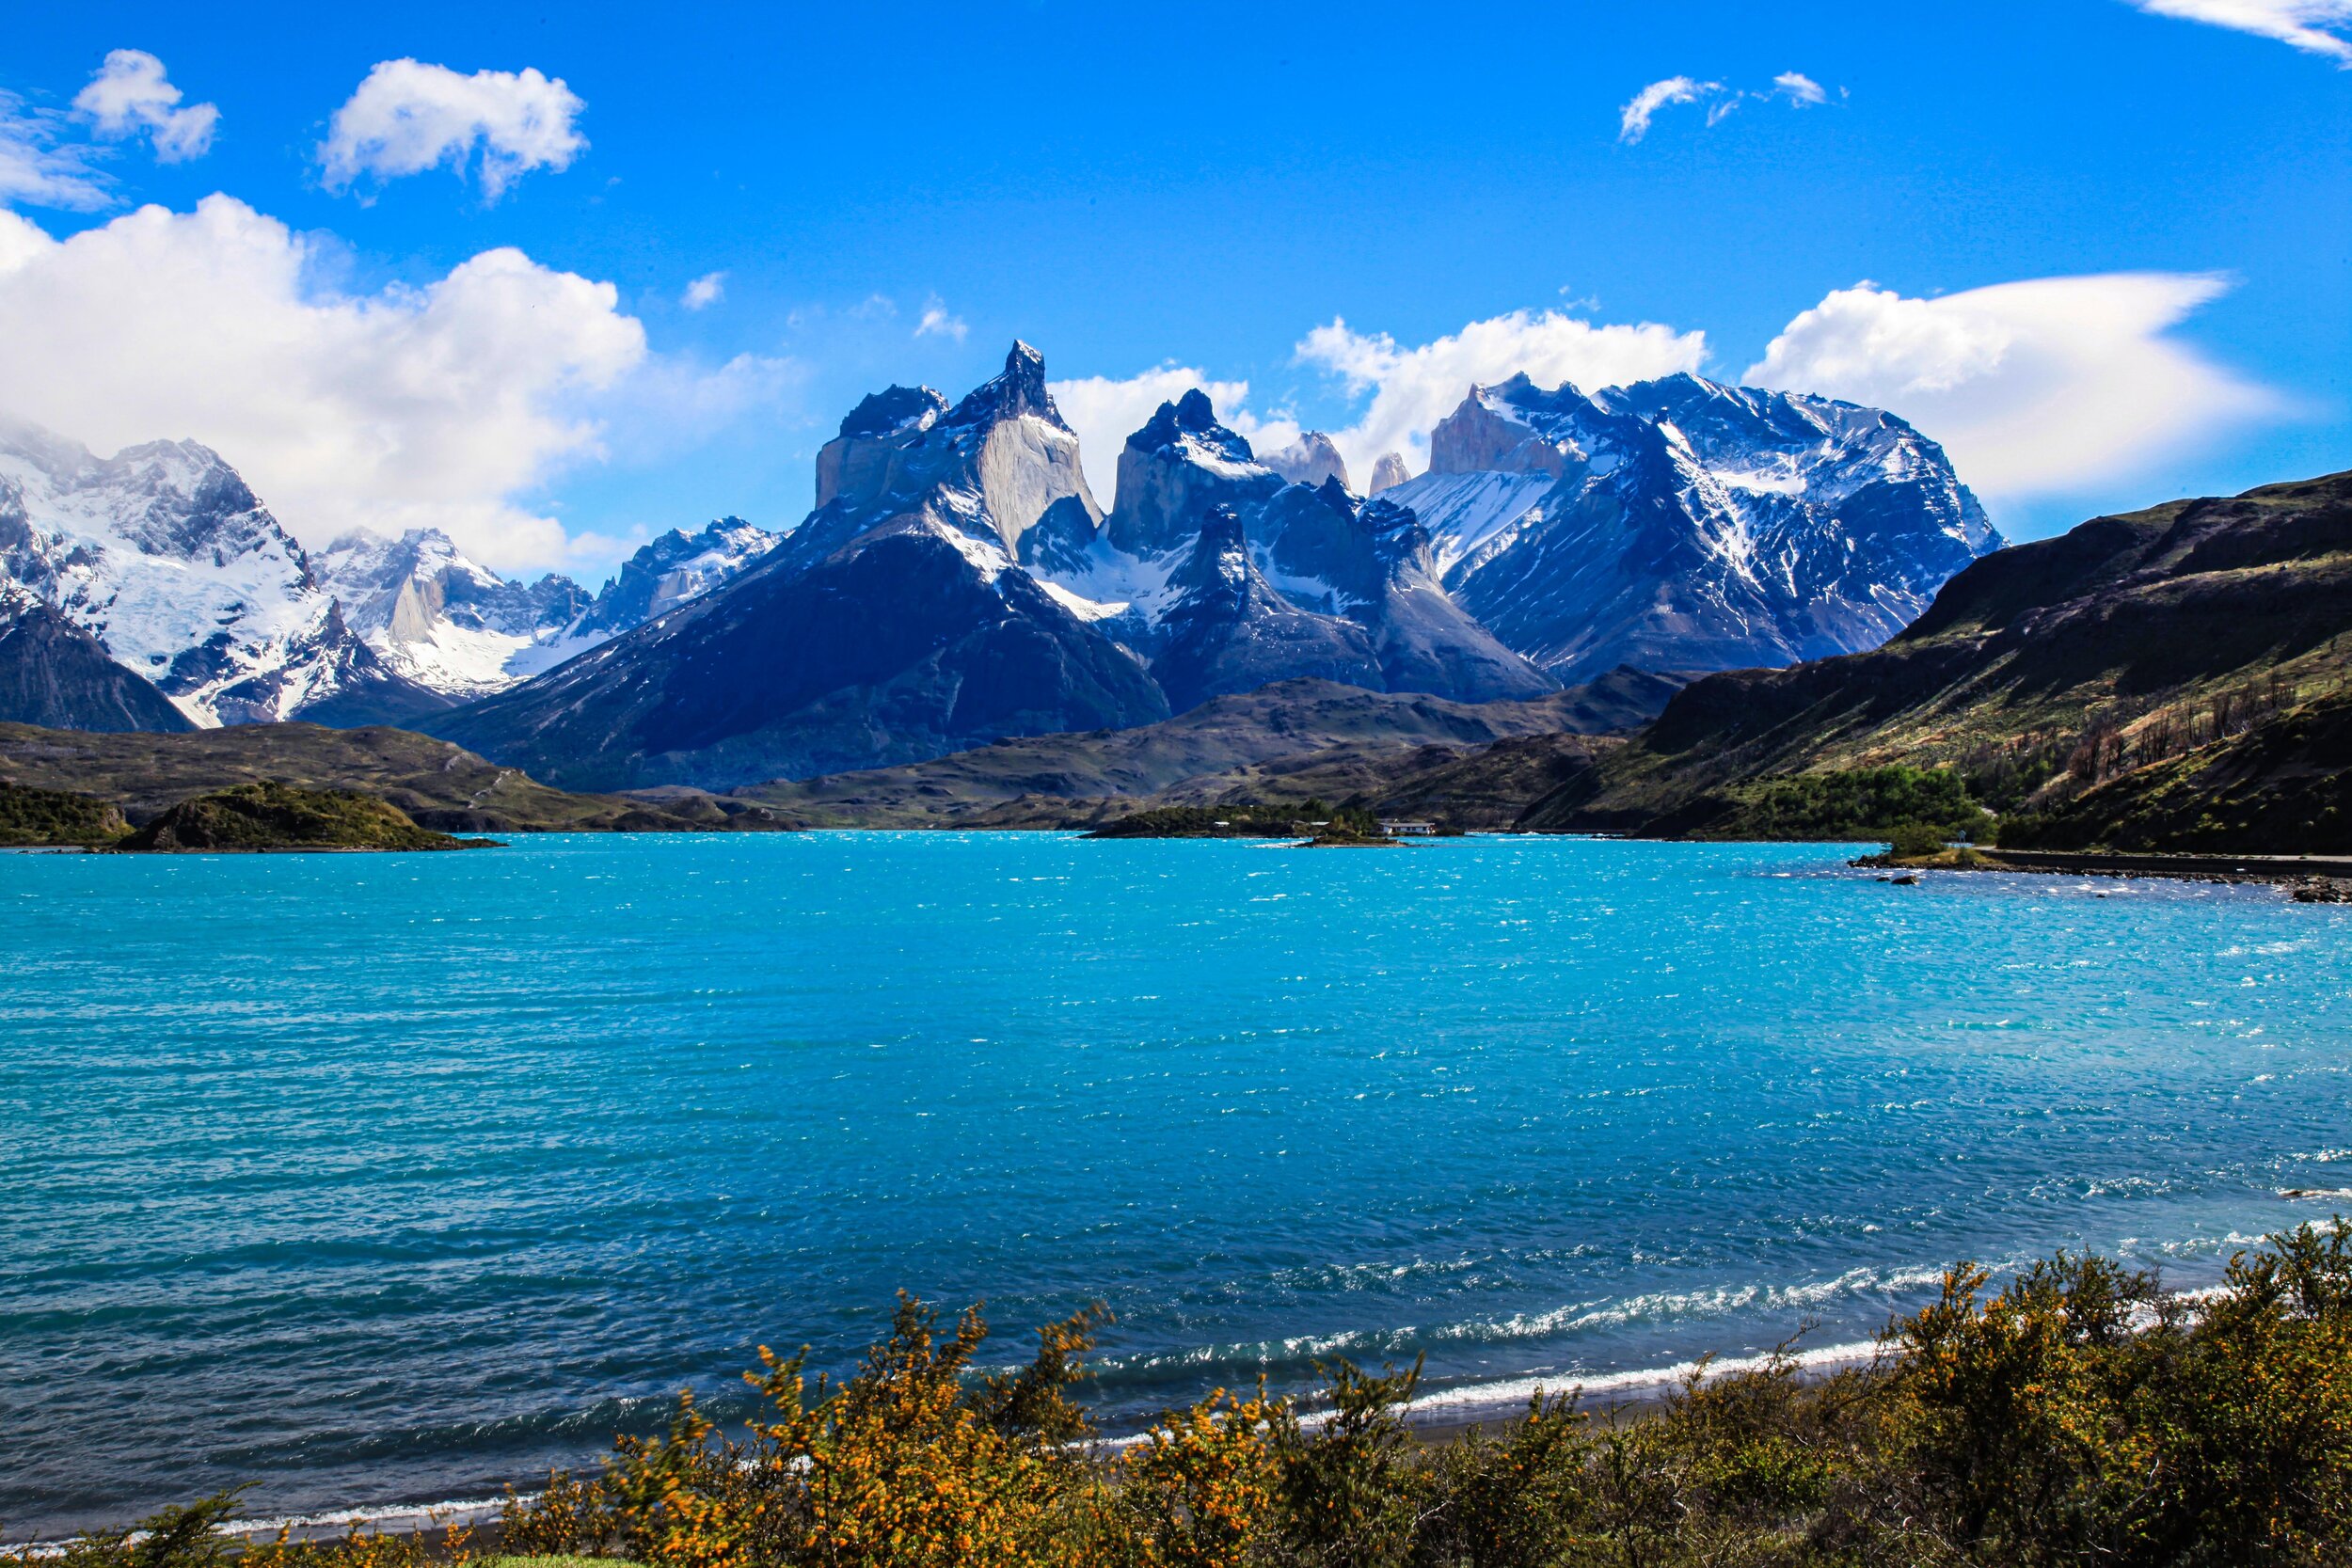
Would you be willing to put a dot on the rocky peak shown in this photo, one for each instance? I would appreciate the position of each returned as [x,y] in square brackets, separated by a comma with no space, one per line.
[1019,392]
[1389,472]
[886,413]
[1174,470]
[1190,422]
[1312,459]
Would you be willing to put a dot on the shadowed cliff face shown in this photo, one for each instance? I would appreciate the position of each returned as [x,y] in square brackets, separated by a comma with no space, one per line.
[1229,631]
[55,674]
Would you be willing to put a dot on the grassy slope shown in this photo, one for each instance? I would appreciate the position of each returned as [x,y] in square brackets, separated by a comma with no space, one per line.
[439,784]
[273,815]
[2285,784]
[41,818]
[2127,622]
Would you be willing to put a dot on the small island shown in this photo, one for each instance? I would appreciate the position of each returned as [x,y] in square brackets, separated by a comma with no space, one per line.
[1320,826]
[266,817]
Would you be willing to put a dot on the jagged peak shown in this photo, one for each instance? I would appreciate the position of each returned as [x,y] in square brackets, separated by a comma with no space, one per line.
[1019,390]
[893,409]
[1191,418]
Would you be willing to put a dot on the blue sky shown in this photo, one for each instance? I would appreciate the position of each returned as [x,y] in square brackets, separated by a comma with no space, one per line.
[2106,248]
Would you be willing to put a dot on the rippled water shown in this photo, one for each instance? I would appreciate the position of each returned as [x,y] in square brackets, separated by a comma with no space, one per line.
[396,1177]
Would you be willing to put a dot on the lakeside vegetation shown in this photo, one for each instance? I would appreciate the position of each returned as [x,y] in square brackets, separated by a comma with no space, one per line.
[2080,1415]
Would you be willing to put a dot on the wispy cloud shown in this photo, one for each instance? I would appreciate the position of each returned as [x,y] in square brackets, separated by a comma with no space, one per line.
[1798,90]
[936,322]
[130,95]
[2035,388]
[1633,119]
[705,290]
[2314,26]
[37,166]
[407,117]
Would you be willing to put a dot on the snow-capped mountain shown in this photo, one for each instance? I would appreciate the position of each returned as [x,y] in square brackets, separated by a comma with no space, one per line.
[674,568]
[163,555]
[1309,460]
[463,630]
[893,625]
[1316,554]
[957,583]
[441,620]
[1683,524]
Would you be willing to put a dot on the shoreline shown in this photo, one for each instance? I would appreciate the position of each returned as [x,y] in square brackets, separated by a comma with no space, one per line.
[1434,1418]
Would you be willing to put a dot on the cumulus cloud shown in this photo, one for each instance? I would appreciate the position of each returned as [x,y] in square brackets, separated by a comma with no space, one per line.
[407,117]
[2314,26]
[37,167]
[1633,119]
[705,290]
[1105,412]
[1412,389]
[130,95]
[408,407]
[2033,388]
[936,322]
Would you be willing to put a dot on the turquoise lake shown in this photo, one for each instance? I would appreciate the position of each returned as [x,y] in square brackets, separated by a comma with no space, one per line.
[377,1178]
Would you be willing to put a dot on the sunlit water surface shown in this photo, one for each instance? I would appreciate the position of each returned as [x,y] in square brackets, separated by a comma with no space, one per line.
[397,1178]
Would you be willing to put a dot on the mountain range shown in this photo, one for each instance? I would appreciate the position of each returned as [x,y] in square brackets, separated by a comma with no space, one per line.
[168,562]
[957,582]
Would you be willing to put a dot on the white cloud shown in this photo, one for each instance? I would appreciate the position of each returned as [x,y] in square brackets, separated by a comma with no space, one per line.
[1633,119]
[705,290]
[2033,388]
[130,94]
[1798,88]
[1409,389]
[1106,412]
[1412,389]
[34,169]
[412,406]
[406,117]
[937,322]
[2316,27]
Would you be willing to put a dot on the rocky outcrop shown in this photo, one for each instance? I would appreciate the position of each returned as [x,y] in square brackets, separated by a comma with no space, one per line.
[1387,473]
[1175,471]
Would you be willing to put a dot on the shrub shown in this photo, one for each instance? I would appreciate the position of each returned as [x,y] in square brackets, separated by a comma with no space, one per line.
[2079,1414]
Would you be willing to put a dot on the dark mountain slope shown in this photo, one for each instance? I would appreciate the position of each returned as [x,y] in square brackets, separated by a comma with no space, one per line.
[894,625]
[1226,745]
[2038,671]
[53,673]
